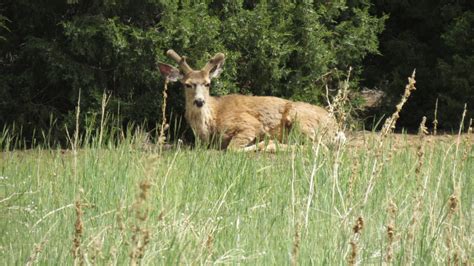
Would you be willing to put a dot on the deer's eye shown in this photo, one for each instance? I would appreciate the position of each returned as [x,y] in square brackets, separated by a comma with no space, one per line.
[188,86]
[207,85]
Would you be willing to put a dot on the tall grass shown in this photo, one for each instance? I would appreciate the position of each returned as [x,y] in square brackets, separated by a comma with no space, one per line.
[208,206]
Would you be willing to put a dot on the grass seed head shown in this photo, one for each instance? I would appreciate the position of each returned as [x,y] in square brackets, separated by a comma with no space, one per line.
[453,203]
[145,186]
[435,120]
[357,229]
[32,260]
[469,129]
[359,225]
[296,245]
[452,255]
[210,243]
[390,123]
[140,234]
[164,124]
[423,130]
[78,232]
[392,211]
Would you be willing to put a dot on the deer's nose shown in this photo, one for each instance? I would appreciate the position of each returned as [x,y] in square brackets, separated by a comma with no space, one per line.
[199,102]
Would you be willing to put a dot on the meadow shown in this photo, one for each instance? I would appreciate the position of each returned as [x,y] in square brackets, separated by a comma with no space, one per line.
[396,199]
[115,197]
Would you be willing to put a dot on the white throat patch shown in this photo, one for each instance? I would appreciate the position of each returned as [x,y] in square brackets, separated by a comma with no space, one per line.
[201,120]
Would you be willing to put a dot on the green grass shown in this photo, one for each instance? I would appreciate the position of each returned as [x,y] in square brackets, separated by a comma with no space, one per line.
[207,206]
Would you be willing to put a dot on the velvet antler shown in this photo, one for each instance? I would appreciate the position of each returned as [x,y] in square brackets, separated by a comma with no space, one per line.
[180,60]
[216,60]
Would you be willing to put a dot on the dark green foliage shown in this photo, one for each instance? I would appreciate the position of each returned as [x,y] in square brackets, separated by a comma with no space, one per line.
[437,38]
[54,49]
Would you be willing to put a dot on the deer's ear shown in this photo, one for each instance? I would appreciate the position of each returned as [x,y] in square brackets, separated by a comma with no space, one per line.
[170,72]
[217,70]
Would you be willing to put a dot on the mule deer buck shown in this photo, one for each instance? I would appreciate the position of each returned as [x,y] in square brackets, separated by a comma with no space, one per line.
[239,121]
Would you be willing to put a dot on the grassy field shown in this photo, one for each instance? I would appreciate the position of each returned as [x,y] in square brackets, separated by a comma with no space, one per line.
[399,200]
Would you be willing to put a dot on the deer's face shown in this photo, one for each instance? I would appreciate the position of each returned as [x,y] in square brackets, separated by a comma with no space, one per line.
[196,85]
[195,82]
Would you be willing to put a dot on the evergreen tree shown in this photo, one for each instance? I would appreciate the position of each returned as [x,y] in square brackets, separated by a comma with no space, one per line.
[435,37]
[55,49]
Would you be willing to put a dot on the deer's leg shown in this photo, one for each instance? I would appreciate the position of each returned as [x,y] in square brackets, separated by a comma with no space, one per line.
[245,130]
[271,146]
[242,140]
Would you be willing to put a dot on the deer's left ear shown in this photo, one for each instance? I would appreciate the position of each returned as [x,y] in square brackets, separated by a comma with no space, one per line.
[170,72]
[216,70]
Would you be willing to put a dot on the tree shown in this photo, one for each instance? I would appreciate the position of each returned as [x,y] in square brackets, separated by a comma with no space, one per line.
[57,48]
[434,37]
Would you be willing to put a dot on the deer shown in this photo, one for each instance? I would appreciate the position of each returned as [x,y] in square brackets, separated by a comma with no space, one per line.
[241,121]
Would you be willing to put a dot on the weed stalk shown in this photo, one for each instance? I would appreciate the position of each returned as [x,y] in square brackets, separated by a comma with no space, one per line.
[418,193]
[357,230]
[140,234]
[77,252]
[164,125]
[435,120]
[392,213]
[387,129]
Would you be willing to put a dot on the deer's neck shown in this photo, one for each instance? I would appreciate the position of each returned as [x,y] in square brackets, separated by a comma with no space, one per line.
[201,119]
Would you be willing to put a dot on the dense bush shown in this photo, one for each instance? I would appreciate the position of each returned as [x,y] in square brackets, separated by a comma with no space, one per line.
[53,49]
[437,38]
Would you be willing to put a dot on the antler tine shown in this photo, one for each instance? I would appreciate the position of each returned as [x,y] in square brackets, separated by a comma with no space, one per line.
[217,59]
[180,60]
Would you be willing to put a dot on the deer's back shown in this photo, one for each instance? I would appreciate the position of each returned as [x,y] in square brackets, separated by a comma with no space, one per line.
[266,115]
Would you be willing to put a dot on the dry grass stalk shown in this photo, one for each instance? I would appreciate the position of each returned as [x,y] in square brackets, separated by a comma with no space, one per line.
[338,107]
[105,101]
[210,245]
[421,147]
[392,213]
[97,250]
[457,163]
[76,132]
[314,170]
[35,254]
[357,229]
[453,255]
[418,193]
[469,129]
[352,178]
[120,222]
[390,123]
[467,143]
[296,245]
[463,117]
[95,246]
[38,248]
[164,125]
[74,142]
[113,254]
[387,129]
[140,234]
[77,252]
[435,121]
[458,142]
[120,225]
[335,172]
[455,199]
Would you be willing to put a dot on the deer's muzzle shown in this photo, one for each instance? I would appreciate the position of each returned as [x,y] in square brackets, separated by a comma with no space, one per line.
[199,102]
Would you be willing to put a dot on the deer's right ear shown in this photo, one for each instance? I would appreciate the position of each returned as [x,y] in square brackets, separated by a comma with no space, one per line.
[173,74]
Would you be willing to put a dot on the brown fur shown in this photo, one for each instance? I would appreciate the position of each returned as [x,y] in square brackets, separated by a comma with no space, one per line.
[239,120]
